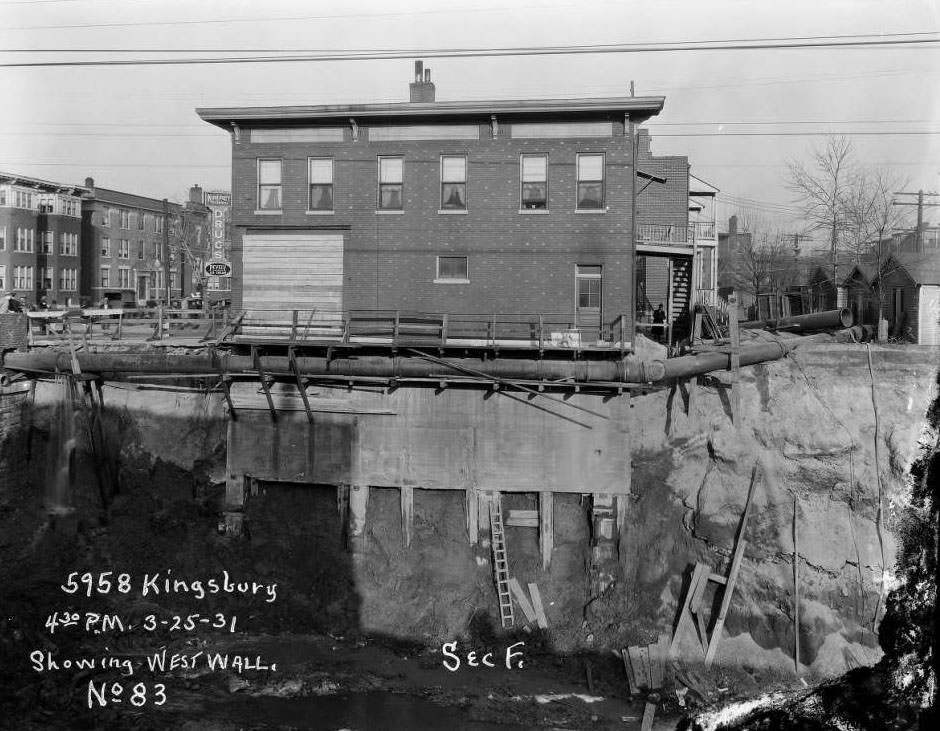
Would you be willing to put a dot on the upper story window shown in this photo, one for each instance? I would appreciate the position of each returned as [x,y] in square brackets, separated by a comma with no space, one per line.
[3,201]
[24,199]
[320,173]
[590,181]
[69,206]
[25,240]
[453,182]
[269,185]
[534,176]
[3,239]
[47,204]
[140,221]
[140,249]
[46,242]
[452,269]
[158,224]
[125,219]
[68,244]
[124,249]
[391,177]
[105,246]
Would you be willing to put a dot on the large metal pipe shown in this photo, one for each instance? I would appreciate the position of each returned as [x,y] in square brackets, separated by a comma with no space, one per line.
[813,321]
[628,370]
[694,365]
[114,365]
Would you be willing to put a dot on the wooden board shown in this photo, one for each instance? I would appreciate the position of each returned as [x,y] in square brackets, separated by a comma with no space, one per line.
[294,269]
[699,574]
[537,606]
[522,600]
[628,669]
[649,713]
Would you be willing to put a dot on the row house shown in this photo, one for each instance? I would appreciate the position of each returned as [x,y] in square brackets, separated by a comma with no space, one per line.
[132,249]
[40,226]
[488,208]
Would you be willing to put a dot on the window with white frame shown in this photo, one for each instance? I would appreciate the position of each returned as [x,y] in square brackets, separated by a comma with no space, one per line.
[3,239]
[3,277]
[24,199]
[452,269]
[46,204]
[124,277]
[68,244]
[3,200]
[140,220]
[105,277]
[453,182]
[534,176]
[590,181]
[69,206]
[46,277]
[46,242]
[391,183]
[25,240]
[105,246]
[68,279]
[125,219]
[140,249]
[320,174]
[124,249]
[158,224]
[269,185]
[23,278]
[112,218]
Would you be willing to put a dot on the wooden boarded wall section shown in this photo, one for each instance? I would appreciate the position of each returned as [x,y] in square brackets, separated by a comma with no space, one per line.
[293,270]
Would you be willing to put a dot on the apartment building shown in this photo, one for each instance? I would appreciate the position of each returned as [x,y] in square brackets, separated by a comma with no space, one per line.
[40,228]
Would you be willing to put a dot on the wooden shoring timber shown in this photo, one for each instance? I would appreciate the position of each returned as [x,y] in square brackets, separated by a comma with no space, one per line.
[546,527]
[632,685]
[265,382]
[407,514]
[686,618]
[756,476]
[472,506]
[301,384]
[522,600]
[649,714]
[735,360]
[540,617]
[523,518]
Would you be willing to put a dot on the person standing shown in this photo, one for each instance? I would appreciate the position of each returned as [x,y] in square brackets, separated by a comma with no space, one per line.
[659,323]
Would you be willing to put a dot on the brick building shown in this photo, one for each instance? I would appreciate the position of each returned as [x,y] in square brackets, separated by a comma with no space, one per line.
[483,207]
[40,226]
[132,245]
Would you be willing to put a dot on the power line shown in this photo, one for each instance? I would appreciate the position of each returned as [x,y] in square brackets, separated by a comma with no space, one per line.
[489,53]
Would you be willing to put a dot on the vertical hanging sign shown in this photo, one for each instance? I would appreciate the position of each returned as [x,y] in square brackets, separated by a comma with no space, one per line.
[220,207]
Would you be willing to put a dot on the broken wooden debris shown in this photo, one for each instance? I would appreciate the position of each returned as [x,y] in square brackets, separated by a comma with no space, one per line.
[540,617]
[522,600]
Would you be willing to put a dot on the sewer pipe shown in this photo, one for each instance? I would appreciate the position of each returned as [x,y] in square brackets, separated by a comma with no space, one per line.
[813,321]
[628,370]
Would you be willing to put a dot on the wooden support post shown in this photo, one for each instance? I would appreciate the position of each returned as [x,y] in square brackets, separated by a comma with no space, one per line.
[522,600]
[733,573]
[301,385]
[699,574]
[540,617]
[342,503]
[358,505]
[735,364]
[546,527]
[796,587]
[471,504]
[227,392]
[649,714]
[407,514]
[265,385]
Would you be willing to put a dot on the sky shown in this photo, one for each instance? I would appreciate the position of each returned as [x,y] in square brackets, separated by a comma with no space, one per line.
[739,114]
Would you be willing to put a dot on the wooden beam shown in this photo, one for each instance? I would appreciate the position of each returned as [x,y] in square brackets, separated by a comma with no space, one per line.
[471,505]
[735,360]
[407,514]
[522,600]
[699,574]
[649,714]
[540,617]
[733,573]
[546,527]
[628,669]
[796,587]
[301,385]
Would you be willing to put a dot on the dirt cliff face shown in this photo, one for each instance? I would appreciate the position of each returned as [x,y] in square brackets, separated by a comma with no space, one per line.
[834,429]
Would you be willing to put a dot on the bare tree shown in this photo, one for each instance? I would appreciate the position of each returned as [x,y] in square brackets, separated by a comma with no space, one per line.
[822,186]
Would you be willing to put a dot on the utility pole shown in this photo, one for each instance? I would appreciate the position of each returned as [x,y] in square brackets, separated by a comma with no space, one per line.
[919,233]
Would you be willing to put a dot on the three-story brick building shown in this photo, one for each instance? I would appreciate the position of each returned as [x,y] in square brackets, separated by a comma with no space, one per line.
[482,207]
[40,227]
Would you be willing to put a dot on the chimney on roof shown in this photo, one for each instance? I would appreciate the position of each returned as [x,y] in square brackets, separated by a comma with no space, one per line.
[89,182]
[195,194]
[421,90]
[733,225]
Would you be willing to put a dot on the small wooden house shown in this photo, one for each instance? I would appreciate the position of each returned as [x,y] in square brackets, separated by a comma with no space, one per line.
[910,287]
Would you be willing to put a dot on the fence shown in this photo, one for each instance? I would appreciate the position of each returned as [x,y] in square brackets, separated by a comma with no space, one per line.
[138,324]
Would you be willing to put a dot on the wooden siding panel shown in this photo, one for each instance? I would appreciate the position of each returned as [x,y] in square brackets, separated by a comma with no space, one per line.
[293,271]
[928,330]
[296,134]
[396,133]
[561,130]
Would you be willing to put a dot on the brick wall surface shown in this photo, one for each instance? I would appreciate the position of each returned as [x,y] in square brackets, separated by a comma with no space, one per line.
[12,437]
[12,331]
[518,262]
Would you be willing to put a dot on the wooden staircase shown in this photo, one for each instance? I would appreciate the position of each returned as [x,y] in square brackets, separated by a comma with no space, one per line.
[681,296]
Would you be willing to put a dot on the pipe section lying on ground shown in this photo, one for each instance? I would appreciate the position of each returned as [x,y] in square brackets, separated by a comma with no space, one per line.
[813,321]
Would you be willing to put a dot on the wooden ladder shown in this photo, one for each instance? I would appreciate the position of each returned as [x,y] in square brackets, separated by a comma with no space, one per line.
[501,563]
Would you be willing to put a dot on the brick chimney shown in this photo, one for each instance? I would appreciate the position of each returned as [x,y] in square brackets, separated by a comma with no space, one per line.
[90,183]
[421,90]
[733,225]
[195,194]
